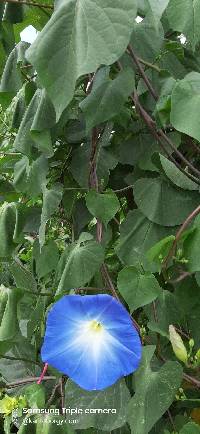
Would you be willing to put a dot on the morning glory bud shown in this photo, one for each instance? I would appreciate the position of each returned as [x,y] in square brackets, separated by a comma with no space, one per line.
[178,345]
[92,340]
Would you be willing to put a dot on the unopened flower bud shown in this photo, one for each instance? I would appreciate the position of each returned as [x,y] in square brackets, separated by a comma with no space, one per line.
[178,345]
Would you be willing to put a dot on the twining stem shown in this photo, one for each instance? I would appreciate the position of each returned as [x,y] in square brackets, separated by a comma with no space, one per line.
[28,380]
[53,392]
[129,187]
[178,236]
[142,73]
[155,314]
[152,125]
[150,65]
[179,154]
[108,281]
[157,135]
[182,333]
[171,420]
[181,277]
[192,144]
[28,3]
[192,380]
[91,288]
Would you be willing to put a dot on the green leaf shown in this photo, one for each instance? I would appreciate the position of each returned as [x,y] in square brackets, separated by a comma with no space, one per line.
[51,201]
[35,395]
[80,170]
[114,398]
[88,40]
[110,96]
[82,217]
[139,149]
[103,206]
[7,163]
[185,104]
[147,40]
[9,325]
[159,251]
[191,248]
[7,228]
[154,392]
[138,234]
[30,178]
[78,264]
[35,127]
[168,312]
[190,428]
[27,221]
[13,369]
[185,19]
[23,277]
[46,259]
[155,10]
[12,80]
[162,203]
[176,176]
[136,288]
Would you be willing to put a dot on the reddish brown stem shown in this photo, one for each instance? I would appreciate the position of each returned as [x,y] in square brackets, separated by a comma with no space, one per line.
[157,134]
[28,380]
[43,373]
[178,236]
[142,73]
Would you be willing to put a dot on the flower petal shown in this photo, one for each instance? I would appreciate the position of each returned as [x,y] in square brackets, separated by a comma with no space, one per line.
[93,357]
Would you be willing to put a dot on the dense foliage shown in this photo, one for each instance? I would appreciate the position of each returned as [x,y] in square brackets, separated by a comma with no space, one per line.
[99,191]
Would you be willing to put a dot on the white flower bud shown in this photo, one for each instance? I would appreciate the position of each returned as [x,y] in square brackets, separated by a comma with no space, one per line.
[178,345]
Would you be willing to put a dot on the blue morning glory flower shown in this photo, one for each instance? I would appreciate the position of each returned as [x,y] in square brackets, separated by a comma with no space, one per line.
[92,340]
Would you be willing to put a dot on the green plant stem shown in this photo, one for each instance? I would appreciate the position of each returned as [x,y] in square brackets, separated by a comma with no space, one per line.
[150,65]
[129,187]
[91,288]
[52,395]
[75,188]
[178,236]
[28,380]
